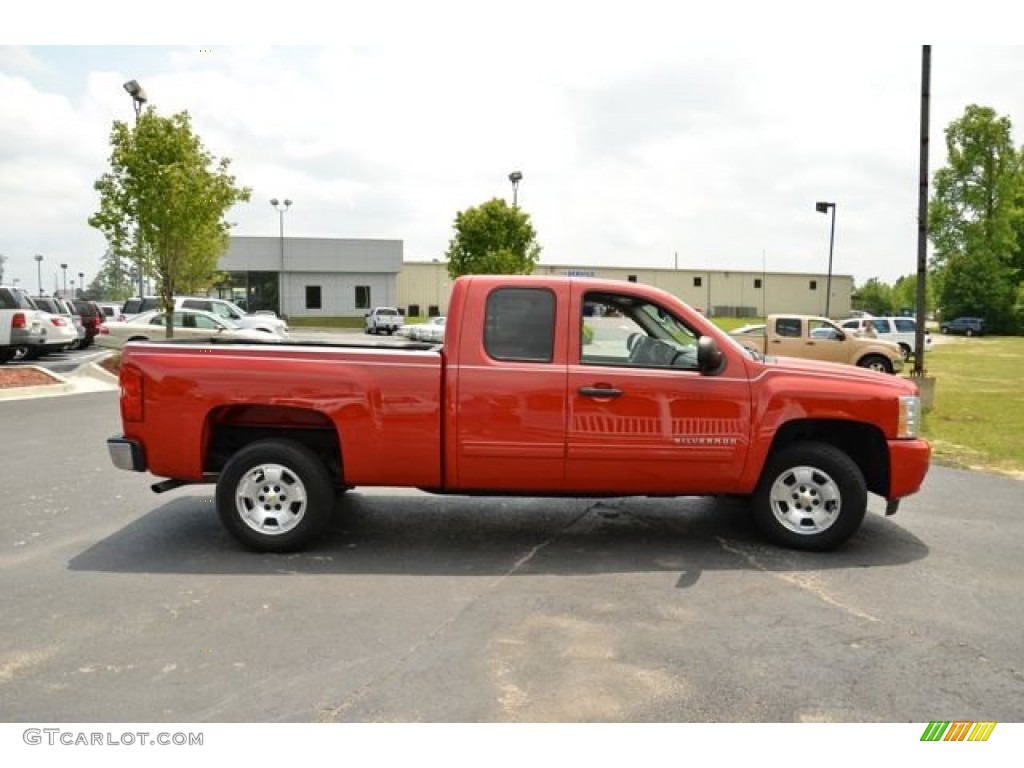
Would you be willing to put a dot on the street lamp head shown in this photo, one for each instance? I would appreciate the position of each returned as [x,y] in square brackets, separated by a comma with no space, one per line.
[287,203]
[821,207]
[274,201]
[515,177]
[136,91]
[39,257]
[63,266]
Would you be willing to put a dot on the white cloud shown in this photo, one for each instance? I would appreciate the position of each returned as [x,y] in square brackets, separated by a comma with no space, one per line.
[631,153]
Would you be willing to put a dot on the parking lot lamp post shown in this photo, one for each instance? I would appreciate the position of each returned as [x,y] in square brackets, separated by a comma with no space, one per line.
[821,207]
[81,282]
[281,208]
[515,177]
[72,288]
[139,99]
[39,271]
[64,292]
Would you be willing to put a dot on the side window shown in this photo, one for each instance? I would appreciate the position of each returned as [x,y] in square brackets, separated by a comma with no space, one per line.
[819,329]
[788,327]
[313,298]
[905,326]
[622,330]
[204,322]
[520,325]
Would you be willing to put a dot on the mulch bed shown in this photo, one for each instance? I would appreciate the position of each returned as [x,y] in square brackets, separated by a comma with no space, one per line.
[13,376]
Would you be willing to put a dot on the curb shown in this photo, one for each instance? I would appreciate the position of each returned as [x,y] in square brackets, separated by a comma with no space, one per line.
[88,377]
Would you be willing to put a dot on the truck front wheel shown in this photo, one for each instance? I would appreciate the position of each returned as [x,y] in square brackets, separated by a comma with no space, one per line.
[811,496]
[275,496]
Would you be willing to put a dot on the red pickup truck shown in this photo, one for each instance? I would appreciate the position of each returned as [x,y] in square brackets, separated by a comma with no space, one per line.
[543,386]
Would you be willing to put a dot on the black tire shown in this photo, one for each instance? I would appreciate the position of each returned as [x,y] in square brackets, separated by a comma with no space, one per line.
[255,482]
[812,496]
[876,363]
[906,351]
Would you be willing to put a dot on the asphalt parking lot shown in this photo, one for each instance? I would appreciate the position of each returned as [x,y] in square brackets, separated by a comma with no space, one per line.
[125,606]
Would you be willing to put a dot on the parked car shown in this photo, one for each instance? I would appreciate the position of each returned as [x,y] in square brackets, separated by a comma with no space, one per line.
[263,320]
[902,330]
[56,306]
[432,330]
[109,309]
[383,320]
[968,326]
[21,324]
[188,324]
[91,316]
[61,335]
[267,322]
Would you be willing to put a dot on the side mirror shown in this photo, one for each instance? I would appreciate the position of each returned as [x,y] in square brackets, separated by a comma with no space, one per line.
[709,356]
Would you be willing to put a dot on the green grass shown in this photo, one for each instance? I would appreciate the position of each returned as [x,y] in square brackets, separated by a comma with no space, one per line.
[978,416]
[326,322]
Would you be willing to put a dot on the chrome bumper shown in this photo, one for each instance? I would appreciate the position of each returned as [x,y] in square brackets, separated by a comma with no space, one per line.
[126,453]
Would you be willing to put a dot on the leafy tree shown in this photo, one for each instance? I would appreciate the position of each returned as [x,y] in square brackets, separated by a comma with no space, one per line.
[492,239]
[974,216]
[904,294]
[164,201]
[875,297]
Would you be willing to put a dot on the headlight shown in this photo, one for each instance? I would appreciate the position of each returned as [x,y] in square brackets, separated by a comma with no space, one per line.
[910,416]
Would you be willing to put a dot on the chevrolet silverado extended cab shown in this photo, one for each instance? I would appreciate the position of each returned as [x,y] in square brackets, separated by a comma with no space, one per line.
[818,338]
[543,386]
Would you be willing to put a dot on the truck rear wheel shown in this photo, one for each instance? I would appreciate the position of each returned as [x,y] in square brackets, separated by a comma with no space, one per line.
[811,496]
[275,496]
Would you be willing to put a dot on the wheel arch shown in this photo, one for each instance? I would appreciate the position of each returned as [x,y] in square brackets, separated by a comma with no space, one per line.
[230,428]
[863,443]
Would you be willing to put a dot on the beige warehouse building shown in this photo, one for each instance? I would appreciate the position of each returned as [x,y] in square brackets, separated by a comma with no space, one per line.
[423,288]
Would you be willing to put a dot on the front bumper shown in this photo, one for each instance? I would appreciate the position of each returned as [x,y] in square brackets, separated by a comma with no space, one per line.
[126,453]
[909,462]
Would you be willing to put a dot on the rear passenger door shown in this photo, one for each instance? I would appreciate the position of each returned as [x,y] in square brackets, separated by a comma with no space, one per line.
[510,408]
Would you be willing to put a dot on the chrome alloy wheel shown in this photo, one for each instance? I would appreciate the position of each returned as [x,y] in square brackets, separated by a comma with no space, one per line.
[805,500]
[271,499]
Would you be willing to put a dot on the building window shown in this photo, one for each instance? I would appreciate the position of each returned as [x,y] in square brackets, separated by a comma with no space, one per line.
[814,285]
[757,282]
[697,282]
[313,300]
[631,278]
[362,297]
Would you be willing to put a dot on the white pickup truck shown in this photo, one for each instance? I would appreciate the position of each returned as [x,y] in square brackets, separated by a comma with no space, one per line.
[383,320]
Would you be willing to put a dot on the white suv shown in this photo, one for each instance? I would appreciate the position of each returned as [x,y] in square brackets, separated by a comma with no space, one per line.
[383,320]
[902,330]
[21,325]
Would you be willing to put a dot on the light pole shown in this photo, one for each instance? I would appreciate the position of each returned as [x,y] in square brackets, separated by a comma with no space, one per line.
[821,207]
[39,271]
[139,99]
[515,177]
[72,288]
[64,292]
[281,208]
[81,282]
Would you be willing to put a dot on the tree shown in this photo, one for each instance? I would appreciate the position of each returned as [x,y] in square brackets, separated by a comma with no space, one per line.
[492,239]
[904,294]
[163,201]
[974,216]
[875,297]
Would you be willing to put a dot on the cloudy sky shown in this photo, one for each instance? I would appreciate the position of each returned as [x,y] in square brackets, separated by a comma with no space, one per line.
[641,153]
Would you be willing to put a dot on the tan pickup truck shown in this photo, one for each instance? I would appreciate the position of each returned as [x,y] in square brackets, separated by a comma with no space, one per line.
[818,338]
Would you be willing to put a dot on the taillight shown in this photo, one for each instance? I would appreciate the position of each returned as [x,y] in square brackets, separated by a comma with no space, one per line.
[58,321]
[131,394]
[19,320]
[104,329]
